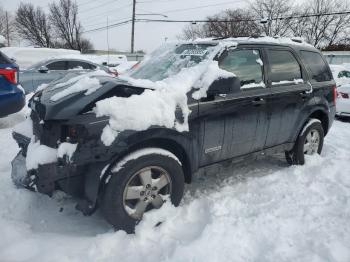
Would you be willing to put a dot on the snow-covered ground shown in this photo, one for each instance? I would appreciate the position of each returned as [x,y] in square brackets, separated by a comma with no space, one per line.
[254,211]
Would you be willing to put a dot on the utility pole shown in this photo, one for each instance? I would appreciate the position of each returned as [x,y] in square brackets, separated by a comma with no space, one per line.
[7,29]
[133,25]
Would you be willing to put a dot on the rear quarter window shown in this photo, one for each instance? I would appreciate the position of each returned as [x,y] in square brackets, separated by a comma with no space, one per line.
[316,66]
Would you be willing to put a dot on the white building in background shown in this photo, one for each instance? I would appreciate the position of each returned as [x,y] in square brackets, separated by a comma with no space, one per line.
[337,57]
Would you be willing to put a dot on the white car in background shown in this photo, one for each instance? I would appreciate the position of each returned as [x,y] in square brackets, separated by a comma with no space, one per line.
[342,78]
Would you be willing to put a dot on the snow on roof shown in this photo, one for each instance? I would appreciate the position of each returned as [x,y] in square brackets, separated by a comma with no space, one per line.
[262,39]
[26,56]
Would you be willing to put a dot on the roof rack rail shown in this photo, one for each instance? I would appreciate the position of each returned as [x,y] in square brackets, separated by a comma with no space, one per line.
[226,37]
[297,39]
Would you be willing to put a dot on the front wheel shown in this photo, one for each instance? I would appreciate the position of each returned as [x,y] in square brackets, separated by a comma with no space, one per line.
[141,182]
[309,142]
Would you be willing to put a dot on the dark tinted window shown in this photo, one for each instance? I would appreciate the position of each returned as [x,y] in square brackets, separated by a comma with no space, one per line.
[59,65]
[316,66]
[79,65]
[4,60]
[344,74]
[283,66]
[246,65]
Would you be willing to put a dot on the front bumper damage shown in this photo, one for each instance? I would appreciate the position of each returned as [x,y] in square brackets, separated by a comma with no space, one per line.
[41,179]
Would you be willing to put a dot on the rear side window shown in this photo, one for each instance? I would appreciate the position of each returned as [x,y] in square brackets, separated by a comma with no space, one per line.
[316,66]
[246,65]
[59,65]
[283,66]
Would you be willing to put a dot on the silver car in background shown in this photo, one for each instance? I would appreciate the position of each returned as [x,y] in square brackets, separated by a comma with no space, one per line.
[49,70]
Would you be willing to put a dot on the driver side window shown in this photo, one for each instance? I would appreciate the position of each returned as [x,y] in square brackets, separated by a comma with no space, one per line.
[247,66]
[58,65]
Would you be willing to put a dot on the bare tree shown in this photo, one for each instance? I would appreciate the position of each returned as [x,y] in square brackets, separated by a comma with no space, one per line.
[322,30]
[6,25]
[270,10]
[229,23]
[64,19]
[32,25]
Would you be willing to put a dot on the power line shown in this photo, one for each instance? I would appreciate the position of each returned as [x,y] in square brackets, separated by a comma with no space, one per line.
[243,20]
[109,26]
[109,11]
[200,7]
[224,21]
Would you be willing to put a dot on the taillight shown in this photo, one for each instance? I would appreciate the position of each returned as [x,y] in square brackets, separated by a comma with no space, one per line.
[10,74]
[343,95]
[334,93]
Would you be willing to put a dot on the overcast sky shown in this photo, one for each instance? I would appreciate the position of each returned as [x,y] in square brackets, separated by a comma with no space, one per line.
[94,13]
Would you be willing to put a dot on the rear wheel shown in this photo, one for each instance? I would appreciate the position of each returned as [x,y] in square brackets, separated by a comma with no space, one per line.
[309,142]
[140,185]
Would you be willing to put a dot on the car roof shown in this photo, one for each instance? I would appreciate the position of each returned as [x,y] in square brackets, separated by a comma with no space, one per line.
[68,59]
[294,42]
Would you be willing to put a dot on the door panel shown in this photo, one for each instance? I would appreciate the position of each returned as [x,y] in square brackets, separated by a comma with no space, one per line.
[246,122]
[284,107]
[212,127]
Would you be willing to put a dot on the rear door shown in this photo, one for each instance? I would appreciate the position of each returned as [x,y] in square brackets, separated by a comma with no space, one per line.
[287,80]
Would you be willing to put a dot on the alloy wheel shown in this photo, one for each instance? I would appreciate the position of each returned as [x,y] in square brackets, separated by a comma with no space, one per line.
[145,190]
[312,142]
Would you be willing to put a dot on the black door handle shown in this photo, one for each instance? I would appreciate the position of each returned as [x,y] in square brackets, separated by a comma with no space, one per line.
[258,101]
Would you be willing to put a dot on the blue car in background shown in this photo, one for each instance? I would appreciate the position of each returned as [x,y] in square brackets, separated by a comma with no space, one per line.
[12,97]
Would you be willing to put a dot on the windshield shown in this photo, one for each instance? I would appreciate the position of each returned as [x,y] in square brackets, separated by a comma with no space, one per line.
[165,61]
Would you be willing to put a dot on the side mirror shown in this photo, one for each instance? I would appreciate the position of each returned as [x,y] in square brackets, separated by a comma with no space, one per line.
[43,69]
[223,86]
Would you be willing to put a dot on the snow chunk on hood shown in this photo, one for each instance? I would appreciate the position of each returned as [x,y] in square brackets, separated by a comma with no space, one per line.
[85,82]
[157,107]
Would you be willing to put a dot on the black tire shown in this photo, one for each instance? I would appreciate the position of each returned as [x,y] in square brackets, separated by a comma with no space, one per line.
[297,155]
[112,205]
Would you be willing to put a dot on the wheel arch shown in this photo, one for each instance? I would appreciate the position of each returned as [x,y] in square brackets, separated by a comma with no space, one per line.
[323,117]
[164,143]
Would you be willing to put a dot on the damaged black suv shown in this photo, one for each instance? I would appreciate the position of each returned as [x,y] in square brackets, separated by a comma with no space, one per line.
[251,97]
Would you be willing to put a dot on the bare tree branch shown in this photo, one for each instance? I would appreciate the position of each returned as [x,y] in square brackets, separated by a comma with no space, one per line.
[32,25]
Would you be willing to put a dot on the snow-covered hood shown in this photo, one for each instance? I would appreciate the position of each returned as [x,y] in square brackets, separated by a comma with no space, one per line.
[57,101]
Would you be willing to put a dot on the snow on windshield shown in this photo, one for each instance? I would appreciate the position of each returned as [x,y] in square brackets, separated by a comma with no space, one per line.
[171,72]
[84,82]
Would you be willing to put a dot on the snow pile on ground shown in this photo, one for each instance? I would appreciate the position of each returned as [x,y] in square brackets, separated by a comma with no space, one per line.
[254,211]
[83,82]
[157,107]
[27,56]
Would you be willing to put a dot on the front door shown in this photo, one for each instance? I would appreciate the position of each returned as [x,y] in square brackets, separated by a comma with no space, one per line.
[235,123]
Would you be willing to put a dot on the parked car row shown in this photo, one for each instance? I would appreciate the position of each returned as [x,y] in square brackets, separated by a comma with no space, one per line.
[53,69]
[342,77]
